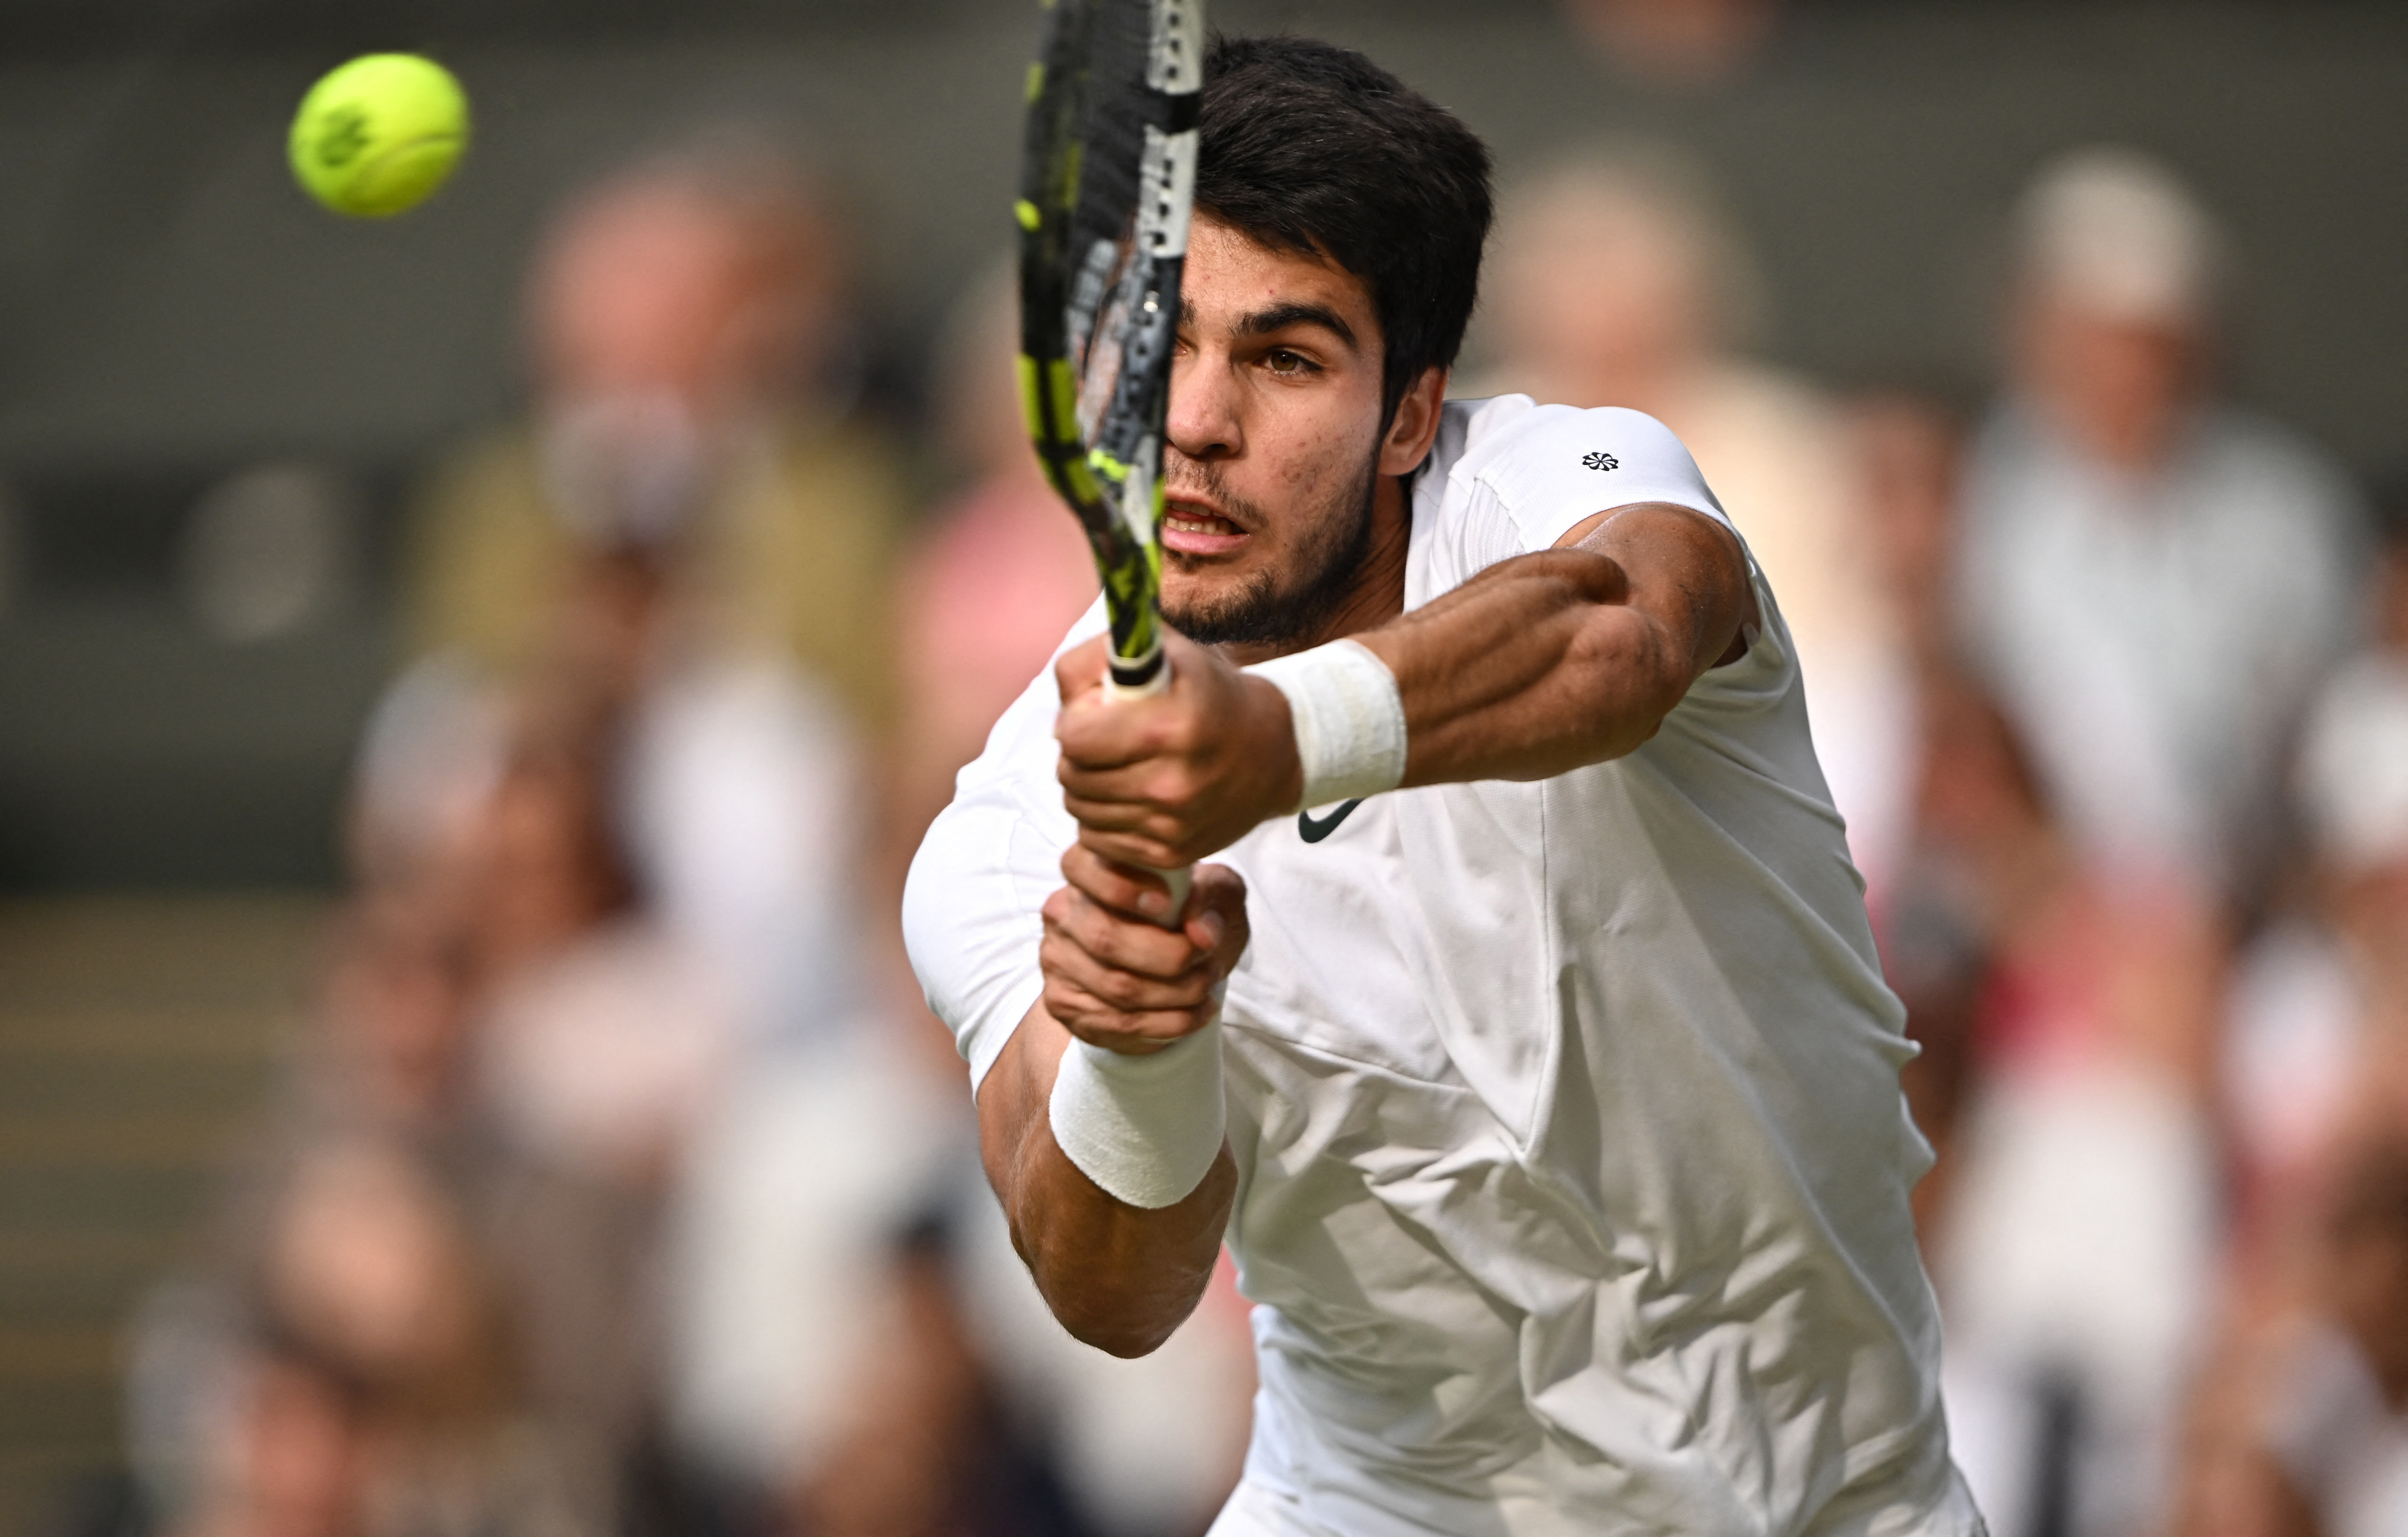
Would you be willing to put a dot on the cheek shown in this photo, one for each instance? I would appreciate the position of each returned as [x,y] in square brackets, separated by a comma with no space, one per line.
[1317,449]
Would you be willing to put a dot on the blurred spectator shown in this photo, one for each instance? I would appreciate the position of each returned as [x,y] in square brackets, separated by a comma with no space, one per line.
[369,1389]
[2318,1048]
[928,1448]
[695,531]
[2074,1254]
[1681,43]
[2154,579]
[603,1042]
[1619,281]
[2064,1019]
[2307,1435]
[1910,446]
[688,326]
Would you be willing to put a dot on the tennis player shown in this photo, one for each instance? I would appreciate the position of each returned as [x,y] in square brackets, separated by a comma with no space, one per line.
[1525,1039]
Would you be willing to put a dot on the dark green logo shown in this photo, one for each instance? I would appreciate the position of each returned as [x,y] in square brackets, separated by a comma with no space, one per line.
[342,137]
[1313,831]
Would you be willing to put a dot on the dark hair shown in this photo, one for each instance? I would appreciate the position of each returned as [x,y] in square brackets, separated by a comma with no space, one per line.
[1314,148]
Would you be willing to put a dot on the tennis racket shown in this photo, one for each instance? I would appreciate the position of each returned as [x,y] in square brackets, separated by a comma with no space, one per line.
[1108,178]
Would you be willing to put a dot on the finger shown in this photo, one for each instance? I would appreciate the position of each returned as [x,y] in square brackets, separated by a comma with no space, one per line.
[1121,944]
[1079,672]
[1096,1022]
[1127,889]
[1123,991]
[1136,822]
[1217,916]
[1135,846]
[1130,779]
[1106,789]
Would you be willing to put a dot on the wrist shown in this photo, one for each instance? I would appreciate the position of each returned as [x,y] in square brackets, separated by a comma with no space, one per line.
[1347,721]
[1146,1128]
[1273,739]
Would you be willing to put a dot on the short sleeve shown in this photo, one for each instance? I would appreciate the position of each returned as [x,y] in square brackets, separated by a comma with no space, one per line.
[1550,466]
[971,906]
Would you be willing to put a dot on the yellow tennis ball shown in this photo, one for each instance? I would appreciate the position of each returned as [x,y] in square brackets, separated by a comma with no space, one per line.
[375,136]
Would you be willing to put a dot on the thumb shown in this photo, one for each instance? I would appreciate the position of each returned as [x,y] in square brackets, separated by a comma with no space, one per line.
[1080,670]
[1217,915]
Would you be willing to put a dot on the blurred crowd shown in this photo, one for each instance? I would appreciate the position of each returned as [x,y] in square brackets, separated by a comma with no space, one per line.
[627,1188]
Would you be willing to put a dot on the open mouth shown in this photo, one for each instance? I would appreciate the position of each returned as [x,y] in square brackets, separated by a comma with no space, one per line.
[1189,529]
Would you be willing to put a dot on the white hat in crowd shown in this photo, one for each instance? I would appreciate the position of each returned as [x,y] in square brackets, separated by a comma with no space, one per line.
[2112,231]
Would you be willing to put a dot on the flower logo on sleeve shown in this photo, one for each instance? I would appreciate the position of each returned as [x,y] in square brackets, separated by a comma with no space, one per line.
[1601,460]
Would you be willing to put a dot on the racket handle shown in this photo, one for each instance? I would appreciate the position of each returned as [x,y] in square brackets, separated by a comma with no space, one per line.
[1115,692]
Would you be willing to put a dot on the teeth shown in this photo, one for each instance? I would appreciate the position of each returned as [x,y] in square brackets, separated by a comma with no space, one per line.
[1198,525]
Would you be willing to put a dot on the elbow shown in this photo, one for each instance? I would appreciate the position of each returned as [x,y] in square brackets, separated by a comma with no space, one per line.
[1628,683]
[1122,1338]
[1122,1311]
[1126,1327]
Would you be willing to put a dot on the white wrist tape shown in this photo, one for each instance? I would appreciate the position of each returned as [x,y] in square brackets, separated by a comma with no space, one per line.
[1350,720]
[1145,1129]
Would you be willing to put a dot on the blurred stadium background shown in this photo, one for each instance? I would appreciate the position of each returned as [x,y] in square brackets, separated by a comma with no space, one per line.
[221,409]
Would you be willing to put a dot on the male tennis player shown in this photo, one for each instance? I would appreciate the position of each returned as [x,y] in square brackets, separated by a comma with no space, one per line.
[1552,1112]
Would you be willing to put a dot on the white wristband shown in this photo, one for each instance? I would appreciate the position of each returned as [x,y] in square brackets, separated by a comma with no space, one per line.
[1350,720]
[1144,1129]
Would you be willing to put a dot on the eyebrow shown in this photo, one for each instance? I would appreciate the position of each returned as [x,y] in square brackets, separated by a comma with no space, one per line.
[1262,323]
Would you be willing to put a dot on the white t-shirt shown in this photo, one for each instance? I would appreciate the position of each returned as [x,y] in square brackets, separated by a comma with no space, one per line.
[1573,1166]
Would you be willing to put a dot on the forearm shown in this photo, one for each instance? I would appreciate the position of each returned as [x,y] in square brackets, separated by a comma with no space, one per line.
[1120,1277]
[1538,665]
[1570,655]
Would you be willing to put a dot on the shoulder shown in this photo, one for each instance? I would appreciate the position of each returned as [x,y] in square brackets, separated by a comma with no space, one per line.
[1546,467]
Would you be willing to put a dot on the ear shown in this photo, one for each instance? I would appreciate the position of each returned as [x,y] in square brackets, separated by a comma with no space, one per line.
[1415,427]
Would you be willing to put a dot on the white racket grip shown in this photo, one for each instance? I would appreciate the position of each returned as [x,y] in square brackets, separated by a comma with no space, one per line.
[1115,692]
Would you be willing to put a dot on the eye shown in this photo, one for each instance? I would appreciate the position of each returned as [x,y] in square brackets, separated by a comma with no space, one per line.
[1286,363]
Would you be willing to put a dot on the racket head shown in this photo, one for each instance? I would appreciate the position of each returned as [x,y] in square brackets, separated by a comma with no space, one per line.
[1108,181]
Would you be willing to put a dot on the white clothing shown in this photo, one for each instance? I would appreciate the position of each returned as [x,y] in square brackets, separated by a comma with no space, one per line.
[1573,1166]
[791,1196]
[2353,767]
[2154,637]
[740,790]
[2078,1255]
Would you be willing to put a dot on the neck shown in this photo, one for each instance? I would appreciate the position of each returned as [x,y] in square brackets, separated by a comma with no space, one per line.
[1378,593]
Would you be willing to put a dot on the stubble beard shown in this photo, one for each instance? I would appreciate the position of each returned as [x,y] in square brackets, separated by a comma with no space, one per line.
[1266,610]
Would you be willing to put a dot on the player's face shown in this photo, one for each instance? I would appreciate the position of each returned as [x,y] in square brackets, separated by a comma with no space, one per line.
[1273,441]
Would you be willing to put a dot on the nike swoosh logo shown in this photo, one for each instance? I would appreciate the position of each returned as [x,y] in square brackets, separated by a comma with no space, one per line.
[1313,831]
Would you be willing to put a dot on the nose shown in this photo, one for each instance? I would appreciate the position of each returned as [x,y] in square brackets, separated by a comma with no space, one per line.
[1203,421]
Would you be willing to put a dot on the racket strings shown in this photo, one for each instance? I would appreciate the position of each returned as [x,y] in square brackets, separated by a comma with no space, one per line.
[1108,180]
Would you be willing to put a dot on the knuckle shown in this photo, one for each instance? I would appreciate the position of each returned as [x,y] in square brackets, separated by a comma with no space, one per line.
[1076,1008]
[1182,733]
[1175,786]
[1123,990]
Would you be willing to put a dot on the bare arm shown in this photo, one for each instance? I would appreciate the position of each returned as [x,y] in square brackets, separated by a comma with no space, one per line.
[1538,664]
[1570,656]
[1118,1276]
